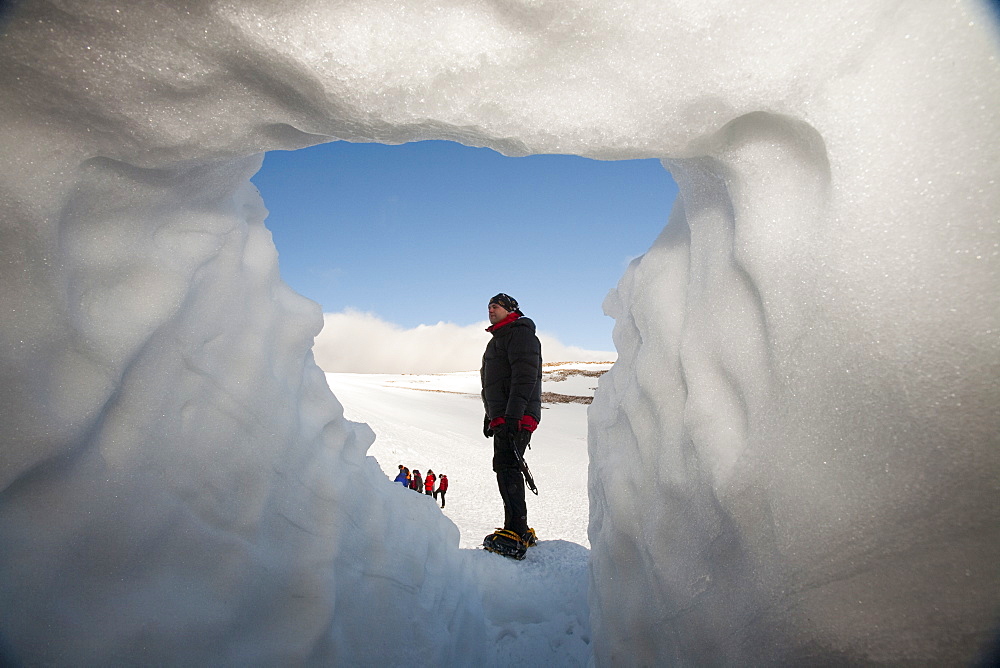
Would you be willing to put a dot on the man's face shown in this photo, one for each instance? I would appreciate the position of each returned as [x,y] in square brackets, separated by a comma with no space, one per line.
[497,313]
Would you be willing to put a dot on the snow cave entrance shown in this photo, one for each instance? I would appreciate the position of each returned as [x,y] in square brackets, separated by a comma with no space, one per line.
[425,233]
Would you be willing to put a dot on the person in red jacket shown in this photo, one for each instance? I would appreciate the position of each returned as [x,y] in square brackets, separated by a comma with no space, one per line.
[442,488]
[429,483]
[416,483]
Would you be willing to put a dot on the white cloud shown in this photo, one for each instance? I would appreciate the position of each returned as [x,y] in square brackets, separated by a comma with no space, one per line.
[357,342]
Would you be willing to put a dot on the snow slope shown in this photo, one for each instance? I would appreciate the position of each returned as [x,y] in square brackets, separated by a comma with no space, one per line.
[435,421]
[537,608]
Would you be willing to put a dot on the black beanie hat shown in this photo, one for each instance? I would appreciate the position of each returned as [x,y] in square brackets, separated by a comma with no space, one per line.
[506,302]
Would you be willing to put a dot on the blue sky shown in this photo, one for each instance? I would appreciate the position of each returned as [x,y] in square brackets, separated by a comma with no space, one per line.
[429,231]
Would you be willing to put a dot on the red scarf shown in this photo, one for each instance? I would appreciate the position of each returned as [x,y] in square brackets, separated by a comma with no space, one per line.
[511,317]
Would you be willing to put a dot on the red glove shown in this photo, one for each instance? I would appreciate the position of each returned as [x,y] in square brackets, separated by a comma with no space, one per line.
[525,423]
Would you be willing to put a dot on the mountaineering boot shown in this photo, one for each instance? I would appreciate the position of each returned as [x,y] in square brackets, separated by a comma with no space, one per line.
[505,543]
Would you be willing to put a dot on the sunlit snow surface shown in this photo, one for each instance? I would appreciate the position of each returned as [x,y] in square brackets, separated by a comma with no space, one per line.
[535,611]
[794,459]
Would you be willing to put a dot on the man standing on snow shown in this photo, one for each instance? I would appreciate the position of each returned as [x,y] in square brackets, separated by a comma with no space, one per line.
[512,396]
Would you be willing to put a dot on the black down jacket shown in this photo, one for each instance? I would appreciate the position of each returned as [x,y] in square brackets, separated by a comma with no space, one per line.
[512,372]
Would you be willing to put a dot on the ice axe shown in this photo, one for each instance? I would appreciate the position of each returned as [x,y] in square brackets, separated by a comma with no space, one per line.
[524,469]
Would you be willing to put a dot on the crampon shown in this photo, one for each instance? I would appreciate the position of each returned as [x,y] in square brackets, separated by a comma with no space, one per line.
[505,543]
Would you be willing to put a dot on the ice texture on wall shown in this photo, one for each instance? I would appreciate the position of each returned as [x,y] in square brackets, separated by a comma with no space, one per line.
[795,457]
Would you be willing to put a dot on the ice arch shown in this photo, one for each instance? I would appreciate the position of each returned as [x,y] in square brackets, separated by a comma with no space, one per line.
[795,458]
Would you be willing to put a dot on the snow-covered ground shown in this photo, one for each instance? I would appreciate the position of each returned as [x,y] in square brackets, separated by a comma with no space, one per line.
[539,606]
[435,421]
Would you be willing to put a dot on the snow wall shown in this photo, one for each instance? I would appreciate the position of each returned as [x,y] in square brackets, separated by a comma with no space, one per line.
[794,460]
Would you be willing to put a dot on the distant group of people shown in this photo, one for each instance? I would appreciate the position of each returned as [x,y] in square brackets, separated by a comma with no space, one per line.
[423,484]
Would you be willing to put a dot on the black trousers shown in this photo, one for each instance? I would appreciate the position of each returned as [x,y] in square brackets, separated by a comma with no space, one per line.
[510,481]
